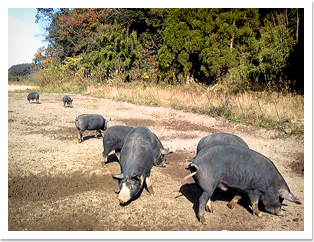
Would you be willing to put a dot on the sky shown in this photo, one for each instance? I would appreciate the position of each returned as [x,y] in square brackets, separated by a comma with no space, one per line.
[25,36]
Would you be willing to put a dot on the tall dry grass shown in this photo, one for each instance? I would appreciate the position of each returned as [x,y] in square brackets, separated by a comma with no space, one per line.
[266,109]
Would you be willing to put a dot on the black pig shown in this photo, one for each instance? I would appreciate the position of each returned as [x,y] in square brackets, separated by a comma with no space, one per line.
[67,101]
[159,151]
[114,139]
[90,122]
[32,96]
[223,139]
[137,160]
[243,169]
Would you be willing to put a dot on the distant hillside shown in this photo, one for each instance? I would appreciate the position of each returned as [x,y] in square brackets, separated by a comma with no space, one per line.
[21,69]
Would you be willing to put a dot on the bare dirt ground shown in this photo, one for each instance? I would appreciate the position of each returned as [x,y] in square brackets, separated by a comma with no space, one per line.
[56,183]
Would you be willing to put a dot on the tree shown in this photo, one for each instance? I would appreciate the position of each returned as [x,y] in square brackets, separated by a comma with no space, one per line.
[116,53]
[276,44]
[206,43]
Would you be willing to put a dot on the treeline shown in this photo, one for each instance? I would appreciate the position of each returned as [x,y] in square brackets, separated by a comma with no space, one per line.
[244,49]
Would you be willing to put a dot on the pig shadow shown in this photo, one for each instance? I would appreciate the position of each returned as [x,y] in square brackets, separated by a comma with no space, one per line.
[87,137]
[193,192]
[35,103]
[112,158]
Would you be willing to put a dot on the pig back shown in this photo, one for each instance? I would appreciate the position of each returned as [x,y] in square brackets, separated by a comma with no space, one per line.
[221,139]
[137,152]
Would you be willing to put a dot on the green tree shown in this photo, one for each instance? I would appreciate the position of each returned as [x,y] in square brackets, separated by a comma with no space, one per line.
[207,43]
[229,40]
[116,53]
[276,44]
[182,44]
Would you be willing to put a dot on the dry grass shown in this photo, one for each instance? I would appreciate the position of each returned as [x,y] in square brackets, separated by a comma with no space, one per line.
[265,109]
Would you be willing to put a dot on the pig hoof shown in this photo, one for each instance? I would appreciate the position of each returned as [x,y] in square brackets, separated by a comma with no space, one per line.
[210,209]
[202,219]
[255,209]
[259,214]
[231,205]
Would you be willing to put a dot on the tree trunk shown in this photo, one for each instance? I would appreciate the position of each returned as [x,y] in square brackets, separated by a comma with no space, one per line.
[297,31]
[231,42]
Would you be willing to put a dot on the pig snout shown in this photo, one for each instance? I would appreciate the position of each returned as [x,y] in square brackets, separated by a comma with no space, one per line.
[124,195]
[274,210]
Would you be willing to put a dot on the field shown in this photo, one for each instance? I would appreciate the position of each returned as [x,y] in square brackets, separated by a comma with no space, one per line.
[56,183]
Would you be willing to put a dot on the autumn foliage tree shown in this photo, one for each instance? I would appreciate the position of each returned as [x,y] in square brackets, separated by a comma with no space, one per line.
[43,56]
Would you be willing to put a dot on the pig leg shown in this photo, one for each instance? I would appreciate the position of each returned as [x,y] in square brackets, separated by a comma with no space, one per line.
[254,197]
[104,156]
[80,137]
[234,201]
[149,186]
[204,202]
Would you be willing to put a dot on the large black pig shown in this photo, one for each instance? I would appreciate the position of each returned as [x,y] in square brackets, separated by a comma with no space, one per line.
[114,139]
[223,139]
[243,169]
[90,122]
[137,160]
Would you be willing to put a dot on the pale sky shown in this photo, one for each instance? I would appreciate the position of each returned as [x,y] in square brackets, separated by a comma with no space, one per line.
[23,34]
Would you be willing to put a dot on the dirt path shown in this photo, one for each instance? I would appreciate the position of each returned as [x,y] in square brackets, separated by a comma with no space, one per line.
[56,183]
[20,86]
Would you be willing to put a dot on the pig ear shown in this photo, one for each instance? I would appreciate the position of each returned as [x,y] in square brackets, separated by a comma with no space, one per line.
[165,151]
[118,177]
[289,196]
